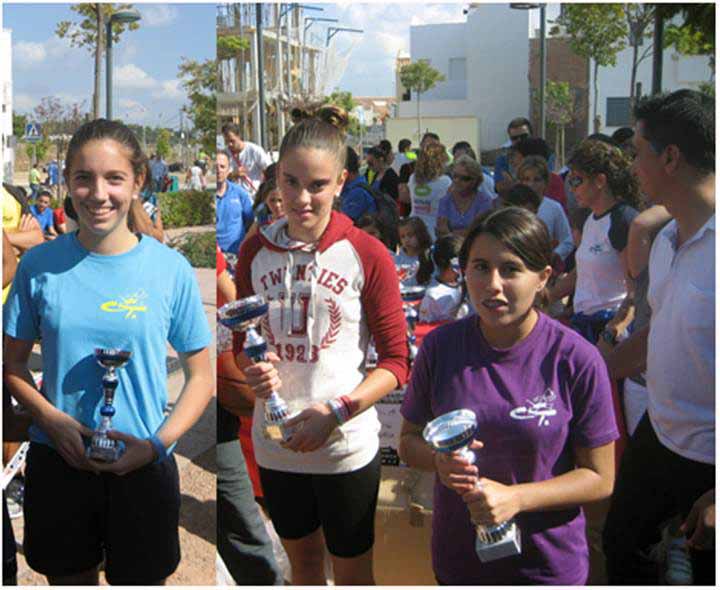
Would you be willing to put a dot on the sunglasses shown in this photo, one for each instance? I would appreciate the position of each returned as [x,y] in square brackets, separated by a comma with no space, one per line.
[520,137]
[462,178]
[575,181]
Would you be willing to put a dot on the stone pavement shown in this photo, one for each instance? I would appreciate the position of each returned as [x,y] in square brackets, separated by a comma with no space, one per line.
[195,456]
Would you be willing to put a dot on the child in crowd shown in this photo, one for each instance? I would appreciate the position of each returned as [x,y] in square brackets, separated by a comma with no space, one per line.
[413,260]
[268,205]
[444,294]
[376,226]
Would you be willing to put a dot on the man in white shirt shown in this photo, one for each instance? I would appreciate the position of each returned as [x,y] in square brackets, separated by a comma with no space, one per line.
[668,467]
[247,160]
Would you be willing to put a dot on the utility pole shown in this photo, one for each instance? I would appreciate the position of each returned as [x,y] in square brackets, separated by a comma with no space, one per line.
[657,52]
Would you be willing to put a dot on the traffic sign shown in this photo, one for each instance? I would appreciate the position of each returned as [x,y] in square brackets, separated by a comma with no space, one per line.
[32,132]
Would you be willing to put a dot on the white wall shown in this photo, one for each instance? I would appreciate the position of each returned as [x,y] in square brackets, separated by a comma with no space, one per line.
[450,129]
[494,43]
[679,71]
[6,127]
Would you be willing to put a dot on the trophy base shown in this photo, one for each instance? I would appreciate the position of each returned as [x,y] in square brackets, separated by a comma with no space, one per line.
[104,449]
[104,454]
[278,432]
[508,546]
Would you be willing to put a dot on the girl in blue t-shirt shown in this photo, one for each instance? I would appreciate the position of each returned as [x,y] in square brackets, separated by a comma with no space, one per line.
[105,287]
[545,424]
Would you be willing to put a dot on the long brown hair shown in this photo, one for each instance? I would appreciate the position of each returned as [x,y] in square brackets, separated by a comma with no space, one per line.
[430,163]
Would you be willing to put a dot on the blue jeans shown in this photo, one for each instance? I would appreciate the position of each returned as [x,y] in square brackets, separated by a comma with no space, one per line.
[242,541]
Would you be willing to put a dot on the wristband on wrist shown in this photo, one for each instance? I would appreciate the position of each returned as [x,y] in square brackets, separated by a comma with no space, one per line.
[159,448]
[339,410]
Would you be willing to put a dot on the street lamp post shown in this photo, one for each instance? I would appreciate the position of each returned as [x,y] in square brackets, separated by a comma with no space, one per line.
[332,31]
[122,16]
[543,60]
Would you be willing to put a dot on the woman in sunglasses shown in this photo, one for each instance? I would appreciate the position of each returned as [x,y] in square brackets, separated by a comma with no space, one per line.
[465,200]
[602,180]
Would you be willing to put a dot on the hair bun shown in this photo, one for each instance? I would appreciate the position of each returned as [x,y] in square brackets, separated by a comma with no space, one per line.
[333,115]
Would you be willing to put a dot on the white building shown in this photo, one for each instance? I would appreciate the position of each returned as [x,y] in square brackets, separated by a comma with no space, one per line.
[679,71]
[485,64]
[7,141]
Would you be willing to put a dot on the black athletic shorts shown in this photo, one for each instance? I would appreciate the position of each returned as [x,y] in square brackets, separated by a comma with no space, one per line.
[74,519]
[342,503]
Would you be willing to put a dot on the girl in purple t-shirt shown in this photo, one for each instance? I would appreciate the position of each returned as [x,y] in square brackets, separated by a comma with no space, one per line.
[542,398]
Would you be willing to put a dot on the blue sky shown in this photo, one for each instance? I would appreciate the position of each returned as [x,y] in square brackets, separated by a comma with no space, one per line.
[146,88]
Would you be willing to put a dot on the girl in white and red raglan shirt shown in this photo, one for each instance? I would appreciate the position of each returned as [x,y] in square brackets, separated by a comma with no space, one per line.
[330,287]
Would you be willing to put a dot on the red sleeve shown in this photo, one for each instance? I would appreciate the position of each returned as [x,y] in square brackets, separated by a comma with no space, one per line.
[243,278]
[58,216]
[382,305]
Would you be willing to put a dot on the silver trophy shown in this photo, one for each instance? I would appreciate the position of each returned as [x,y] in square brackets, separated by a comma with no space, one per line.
[244,315]
[101,447]
[411,296]
[455,431]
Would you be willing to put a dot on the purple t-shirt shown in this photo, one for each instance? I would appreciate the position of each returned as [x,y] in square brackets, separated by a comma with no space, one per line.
[534,403]
[456,220]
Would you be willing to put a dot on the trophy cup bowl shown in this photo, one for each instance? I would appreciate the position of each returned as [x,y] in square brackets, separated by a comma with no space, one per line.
[244,315]
[454,431]
[412,294]
[101,447]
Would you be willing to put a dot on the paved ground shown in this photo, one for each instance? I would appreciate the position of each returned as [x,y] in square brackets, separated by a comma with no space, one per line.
[195,455]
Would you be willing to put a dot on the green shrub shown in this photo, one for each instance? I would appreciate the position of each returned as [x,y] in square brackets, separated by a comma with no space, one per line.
[187,208]
[199,249]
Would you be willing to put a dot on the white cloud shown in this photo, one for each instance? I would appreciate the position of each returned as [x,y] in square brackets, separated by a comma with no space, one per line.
[158,15]
[169,89]
[392,43]
[131,76]
[27,53]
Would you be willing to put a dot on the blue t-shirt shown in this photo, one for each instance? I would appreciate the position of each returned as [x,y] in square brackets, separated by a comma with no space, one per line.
[234,216]
[45,219]
[77,301]
[356,200]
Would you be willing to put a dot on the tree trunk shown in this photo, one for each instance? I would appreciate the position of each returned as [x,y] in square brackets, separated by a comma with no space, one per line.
[633,73]
[596,126]
[562,146]
[98,59]
[418,118]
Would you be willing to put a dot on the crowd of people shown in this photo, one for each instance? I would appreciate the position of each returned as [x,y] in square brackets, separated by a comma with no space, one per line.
[572,309]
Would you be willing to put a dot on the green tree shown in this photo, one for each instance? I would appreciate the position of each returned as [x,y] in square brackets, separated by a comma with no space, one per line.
[344,100]
[229,46]
[560,110]
[58,121]
[420,77]
[199,79]
[162,147]
[39,150]
[597,32]
[696,34]
[19,122]
[89,32]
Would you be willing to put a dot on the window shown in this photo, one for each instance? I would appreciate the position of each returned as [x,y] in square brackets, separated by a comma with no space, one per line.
[618,112]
